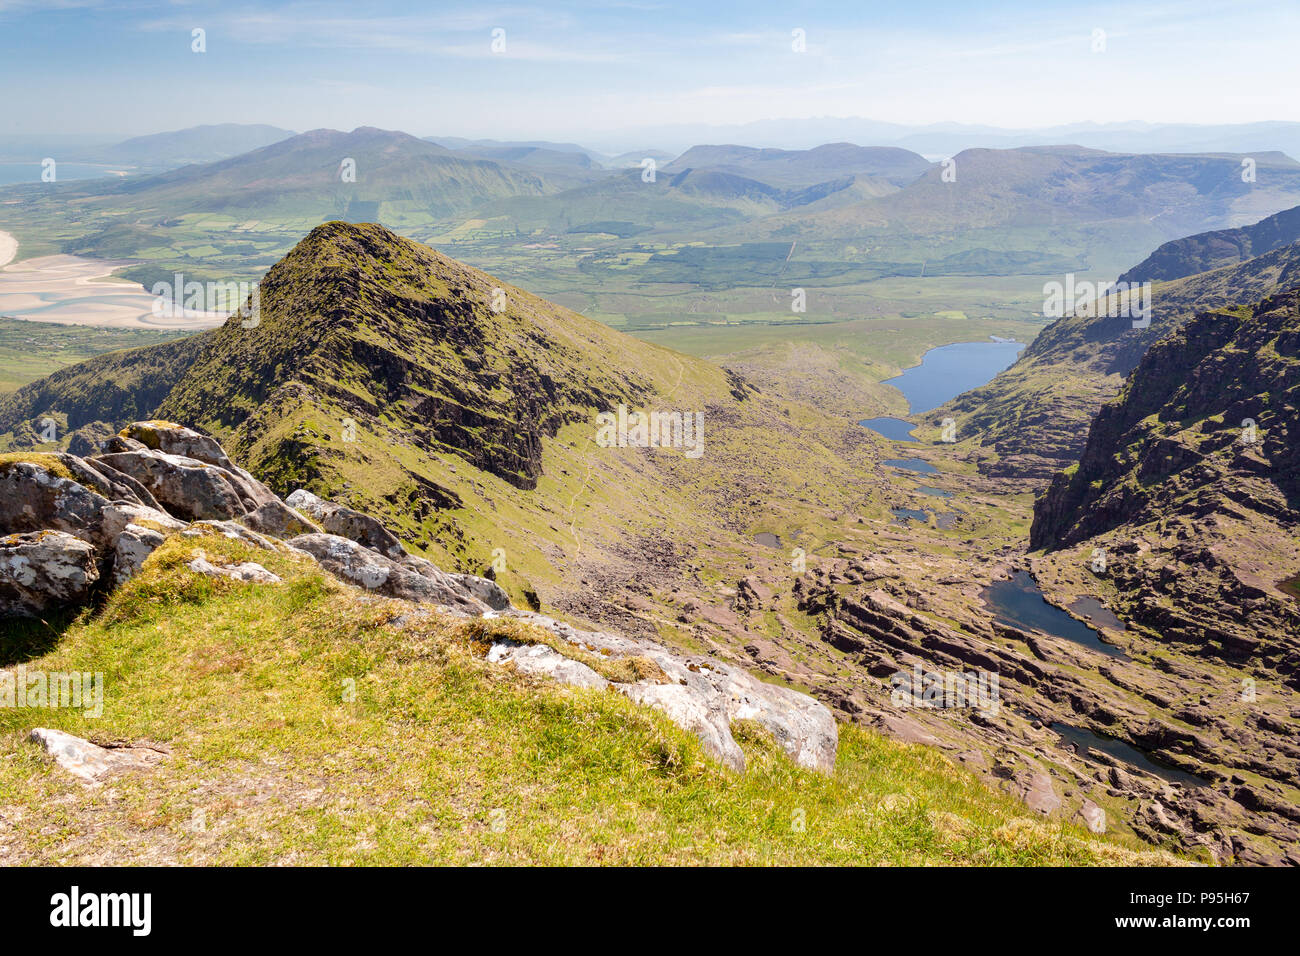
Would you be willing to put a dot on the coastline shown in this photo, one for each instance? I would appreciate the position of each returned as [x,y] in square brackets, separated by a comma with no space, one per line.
[8,249]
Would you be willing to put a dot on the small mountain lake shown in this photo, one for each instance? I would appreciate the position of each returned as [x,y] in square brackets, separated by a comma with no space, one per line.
[949,370]
[895,429]
[911,464]
[1096,613]
[933,491]
[942,519]
[768,540]
[1020,603]
[1085,740]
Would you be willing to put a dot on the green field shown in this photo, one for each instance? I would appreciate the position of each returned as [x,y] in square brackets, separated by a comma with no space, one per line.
[30,350]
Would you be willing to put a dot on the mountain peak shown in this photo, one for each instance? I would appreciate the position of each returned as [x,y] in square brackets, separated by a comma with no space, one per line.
[359,324]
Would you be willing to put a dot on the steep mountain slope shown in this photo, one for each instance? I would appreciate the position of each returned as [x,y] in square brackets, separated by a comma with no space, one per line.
[1192,479]
[1213,250]
[1031,420]
[390,331]
[115,387]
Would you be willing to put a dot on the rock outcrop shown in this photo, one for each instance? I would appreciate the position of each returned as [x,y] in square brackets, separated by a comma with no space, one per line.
[91,763]
[88,522]
[41,570]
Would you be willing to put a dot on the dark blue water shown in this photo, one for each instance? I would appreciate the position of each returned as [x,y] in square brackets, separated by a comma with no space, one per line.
[1086,740]
[895,429]
[902,515]
[949,370]
[1020,603]
[911,464]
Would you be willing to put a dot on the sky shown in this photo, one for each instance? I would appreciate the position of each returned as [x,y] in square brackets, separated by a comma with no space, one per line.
[588,71]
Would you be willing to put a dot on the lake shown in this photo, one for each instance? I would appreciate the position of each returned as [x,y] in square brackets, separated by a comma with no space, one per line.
[1020,603]
[1085,740]
[949,370]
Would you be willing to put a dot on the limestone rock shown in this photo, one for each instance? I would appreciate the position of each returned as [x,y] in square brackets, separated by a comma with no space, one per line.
[89,762]
[347,523]
[42,570]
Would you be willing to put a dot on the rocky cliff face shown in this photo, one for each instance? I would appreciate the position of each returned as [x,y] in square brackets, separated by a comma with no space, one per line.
[1214,250]
[1034,416]
[1192,479]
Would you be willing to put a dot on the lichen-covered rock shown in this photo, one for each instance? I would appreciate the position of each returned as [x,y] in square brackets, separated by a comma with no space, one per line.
[705,696]
[34,497]
[356,564]
[131,549]
[543,661]
[176,439]
[43,570]
[247,571]
[347,523]
[277,519]
[189,488]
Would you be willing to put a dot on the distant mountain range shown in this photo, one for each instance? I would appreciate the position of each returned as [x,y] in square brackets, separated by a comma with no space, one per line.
[199,144]
[948,139]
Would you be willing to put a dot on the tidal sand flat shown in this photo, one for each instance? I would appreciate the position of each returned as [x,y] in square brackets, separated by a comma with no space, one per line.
[72,290]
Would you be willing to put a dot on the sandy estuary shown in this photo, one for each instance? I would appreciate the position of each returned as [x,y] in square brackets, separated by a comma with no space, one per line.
[72,290]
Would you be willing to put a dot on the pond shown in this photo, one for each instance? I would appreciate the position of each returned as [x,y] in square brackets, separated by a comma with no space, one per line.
[895,429]
[1096,612]
[1086,740]
[911,464]
[1020,603]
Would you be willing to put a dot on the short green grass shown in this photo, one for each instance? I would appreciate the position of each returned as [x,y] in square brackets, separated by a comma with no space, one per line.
[305,726]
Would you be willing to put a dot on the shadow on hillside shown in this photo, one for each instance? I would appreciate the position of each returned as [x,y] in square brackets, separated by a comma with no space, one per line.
[23,639]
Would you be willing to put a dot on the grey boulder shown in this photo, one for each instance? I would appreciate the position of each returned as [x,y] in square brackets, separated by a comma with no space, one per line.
[350,561]
[42,570]
[347,523]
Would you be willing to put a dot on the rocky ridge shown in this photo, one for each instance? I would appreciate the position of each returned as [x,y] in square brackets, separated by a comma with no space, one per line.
[77,525]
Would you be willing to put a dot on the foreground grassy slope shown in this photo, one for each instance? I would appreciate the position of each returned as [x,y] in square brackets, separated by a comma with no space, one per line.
[440,757]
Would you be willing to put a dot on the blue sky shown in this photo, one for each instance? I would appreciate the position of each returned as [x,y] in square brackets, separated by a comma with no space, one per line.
[572,70]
